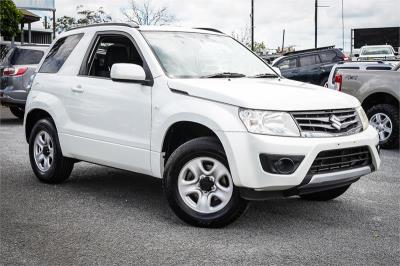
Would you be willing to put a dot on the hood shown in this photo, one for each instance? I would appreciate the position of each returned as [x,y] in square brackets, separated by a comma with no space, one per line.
[265,94]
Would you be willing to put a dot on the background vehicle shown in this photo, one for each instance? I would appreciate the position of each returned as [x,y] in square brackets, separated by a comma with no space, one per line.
[16,70]
[376,52]
[108,94]
[379,93]
[312,66]
[355,65]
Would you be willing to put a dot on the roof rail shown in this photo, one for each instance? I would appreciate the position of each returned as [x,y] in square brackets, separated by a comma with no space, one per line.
[130,25]
[210,29]
[310,50]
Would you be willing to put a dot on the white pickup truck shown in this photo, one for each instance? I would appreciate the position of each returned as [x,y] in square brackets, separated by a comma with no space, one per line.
[197,109]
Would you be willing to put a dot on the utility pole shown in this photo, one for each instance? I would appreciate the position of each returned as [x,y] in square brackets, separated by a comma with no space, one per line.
[283,41]
[252,25]
[342,26]
[316,24]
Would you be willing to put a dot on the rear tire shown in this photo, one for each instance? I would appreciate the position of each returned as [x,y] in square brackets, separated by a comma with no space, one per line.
[380,111]
[17,111]
[47,160]
[199,187]
[325,195]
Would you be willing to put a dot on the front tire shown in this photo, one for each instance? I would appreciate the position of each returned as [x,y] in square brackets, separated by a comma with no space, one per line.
[46,158]
[385,118]
[325,195]
[17,111]
[199,187]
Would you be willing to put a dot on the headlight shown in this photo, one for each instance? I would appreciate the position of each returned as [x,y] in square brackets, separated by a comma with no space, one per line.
[269,122]
[363,117]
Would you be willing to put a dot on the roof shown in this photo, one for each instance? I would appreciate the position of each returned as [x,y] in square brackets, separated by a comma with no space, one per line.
[28,17]
[311,50]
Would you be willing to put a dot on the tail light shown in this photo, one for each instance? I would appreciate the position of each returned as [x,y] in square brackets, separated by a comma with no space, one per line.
[345,57]
[14,72]
[338,82]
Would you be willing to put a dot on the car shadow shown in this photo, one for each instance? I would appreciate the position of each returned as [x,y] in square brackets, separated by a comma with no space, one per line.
[10,121]
[136,192]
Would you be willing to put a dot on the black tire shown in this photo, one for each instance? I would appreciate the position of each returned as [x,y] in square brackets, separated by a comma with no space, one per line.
[209,147]
[393,113]
[17,111]
[324,81]
[61,167]
[325,195]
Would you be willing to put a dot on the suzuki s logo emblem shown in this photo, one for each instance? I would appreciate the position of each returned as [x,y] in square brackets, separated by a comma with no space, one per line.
[335,122]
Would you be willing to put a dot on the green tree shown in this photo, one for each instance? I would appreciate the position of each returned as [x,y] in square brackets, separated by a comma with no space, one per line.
[10,18]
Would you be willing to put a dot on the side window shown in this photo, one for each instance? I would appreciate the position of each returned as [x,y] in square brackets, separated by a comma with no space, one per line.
[26,57]
[309,60]
[59,53]
[109,50]
[287,64]
[327,57]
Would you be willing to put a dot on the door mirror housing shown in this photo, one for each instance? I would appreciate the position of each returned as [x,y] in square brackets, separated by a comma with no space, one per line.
[128,72]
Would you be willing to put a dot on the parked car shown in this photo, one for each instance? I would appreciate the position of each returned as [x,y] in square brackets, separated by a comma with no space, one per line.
[355,65]
[312,66]
[16,70]
[197,109]
[376,52]
[379,93]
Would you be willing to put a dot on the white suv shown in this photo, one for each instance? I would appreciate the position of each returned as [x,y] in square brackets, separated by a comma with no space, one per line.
[197,109]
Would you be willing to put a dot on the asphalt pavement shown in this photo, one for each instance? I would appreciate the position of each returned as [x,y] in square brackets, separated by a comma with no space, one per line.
[106,216]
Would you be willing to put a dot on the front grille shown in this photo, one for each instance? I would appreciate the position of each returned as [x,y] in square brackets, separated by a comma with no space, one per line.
[328,122]
[340,160]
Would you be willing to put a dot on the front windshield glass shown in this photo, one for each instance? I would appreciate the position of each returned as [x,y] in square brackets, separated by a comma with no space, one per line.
[377,51]
[199,55]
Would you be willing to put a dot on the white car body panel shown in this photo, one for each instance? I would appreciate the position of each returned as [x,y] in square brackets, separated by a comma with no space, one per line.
[123,125]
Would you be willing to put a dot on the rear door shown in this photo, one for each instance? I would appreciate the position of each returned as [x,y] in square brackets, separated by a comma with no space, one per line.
[309,68]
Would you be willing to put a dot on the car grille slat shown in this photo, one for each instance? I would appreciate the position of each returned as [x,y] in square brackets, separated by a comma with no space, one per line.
[340,160]
[327,123]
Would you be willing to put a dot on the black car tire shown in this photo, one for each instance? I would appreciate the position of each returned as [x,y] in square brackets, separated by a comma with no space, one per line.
[324,82]
[61,167]
[198,148]
[325,195]
[17,111]
[393,113]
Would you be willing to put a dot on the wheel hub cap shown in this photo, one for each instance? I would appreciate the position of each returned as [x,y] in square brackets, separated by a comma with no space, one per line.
[43,151]
[382,123]
[205,185]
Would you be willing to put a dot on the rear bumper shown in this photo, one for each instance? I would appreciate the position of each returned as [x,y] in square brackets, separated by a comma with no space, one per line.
[12,96]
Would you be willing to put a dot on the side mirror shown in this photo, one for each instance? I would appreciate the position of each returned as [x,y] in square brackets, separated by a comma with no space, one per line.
[357,55]
[396,53]
[127,72]
[277,70]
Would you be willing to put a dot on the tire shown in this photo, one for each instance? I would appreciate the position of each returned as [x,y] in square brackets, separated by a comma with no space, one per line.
[324,82]
[17,111]
[202,151]
[325,195]
[386,140]
[50,165]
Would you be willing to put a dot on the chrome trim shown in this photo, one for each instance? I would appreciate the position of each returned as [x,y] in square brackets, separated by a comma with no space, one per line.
[337,176]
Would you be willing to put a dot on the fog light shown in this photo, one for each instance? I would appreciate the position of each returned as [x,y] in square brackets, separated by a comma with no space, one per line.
[280,164]
[284,166]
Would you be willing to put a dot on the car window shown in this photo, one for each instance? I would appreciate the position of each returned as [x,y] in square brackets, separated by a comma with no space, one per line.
[338,68]
[378,68]
[377,51]
[288,63]
[109,50]
[327,57]
[26,57]
[59,53]
[309,60]
[5,52]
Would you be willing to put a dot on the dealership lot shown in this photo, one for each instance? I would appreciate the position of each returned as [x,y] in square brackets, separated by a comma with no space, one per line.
[107,216]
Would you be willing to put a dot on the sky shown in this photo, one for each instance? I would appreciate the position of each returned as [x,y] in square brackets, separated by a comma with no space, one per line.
[271,17]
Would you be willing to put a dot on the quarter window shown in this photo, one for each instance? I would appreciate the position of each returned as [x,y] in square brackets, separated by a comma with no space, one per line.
[327,57]
[59,53]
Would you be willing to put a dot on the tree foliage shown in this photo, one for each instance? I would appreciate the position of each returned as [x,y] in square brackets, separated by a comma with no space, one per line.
[244,36]
[83,17]
[10,18]
[147,14]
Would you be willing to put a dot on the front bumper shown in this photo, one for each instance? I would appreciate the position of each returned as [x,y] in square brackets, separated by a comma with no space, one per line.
[247,172]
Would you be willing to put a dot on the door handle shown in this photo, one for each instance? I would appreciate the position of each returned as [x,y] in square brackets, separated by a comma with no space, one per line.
[77,89]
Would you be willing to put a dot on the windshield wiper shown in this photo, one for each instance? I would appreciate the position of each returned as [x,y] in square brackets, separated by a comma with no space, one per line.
[265,75]
[224,75]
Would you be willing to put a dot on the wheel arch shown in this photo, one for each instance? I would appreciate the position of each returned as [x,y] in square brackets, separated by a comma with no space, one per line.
[32,117]
[379,98]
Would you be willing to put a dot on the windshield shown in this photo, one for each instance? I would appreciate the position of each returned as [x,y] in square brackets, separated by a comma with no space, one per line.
[202,55]
[377,51]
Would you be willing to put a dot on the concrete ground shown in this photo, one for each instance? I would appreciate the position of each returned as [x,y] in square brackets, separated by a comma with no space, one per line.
[107,216]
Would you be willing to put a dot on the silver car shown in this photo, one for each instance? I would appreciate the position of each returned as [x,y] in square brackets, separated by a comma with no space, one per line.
[16,70]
